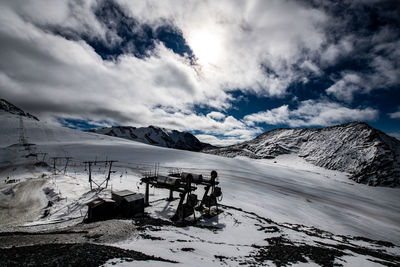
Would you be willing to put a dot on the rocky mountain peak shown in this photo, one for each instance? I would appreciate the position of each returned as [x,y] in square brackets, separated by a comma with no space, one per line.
[11,108]
[369,155]
[154,135]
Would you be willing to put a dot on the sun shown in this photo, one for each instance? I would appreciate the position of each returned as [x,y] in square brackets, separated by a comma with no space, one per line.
[206,46]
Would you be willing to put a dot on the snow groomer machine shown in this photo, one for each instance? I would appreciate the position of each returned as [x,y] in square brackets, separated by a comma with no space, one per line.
[186,184]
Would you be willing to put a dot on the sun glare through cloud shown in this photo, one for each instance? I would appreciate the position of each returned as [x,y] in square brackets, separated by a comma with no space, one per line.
[206,45]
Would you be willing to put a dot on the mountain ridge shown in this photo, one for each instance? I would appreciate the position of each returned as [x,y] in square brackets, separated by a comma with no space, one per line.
[369,155]
[154,135]
[13,109]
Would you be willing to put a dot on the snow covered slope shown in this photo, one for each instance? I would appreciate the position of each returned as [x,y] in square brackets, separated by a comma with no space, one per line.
[155,136]
[290,190]
[297,199]
[371,156]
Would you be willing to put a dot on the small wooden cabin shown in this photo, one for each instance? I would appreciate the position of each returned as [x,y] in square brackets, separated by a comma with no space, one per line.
[101,209]
[129,204]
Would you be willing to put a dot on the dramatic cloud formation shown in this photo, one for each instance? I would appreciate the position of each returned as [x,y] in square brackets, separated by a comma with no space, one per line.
[187,64]
[345,88]
[311,113]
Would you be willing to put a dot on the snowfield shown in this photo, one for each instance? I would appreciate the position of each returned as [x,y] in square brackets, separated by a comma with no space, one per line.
[264,200]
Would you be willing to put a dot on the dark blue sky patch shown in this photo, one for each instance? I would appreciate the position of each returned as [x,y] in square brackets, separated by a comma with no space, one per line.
[125,34]
[173,39]
[362,22]
[362,17]
[81,124]
[249,103]
[386,101]
[134,37]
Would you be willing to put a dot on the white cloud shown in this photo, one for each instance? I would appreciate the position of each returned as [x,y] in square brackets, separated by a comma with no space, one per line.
[273,117]
[311,67]
[227,127]
[395,115]
[335,51]
[216,115]
[380,61]
[245,36]
[211,139]
[312,113]
[345,88]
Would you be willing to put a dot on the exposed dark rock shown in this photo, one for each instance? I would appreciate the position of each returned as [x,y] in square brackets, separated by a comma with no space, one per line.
[283,252]
[82,254]
[187,249]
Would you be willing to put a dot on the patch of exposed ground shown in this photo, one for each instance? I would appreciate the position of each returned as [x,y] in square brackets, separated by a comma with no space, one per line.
[282,252]
[81,254]
[99,232]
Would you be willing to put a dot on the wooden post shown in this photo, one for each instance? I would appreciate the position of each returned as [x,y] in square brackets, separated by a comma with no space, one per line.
[146,195]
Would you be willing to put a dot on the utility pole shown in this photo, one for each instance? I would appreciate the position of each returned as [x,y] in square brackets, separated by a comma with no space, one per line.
[90,174]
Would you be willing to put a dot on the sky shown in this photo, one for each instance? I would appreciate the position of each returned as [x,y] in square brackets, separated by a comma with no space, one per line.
[223,70]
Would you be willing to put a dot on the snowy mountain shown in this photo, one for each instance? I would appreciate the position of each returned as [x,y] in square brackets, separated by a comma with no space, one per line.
[369,155]
[155,136]
[285,213]
[6,106]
